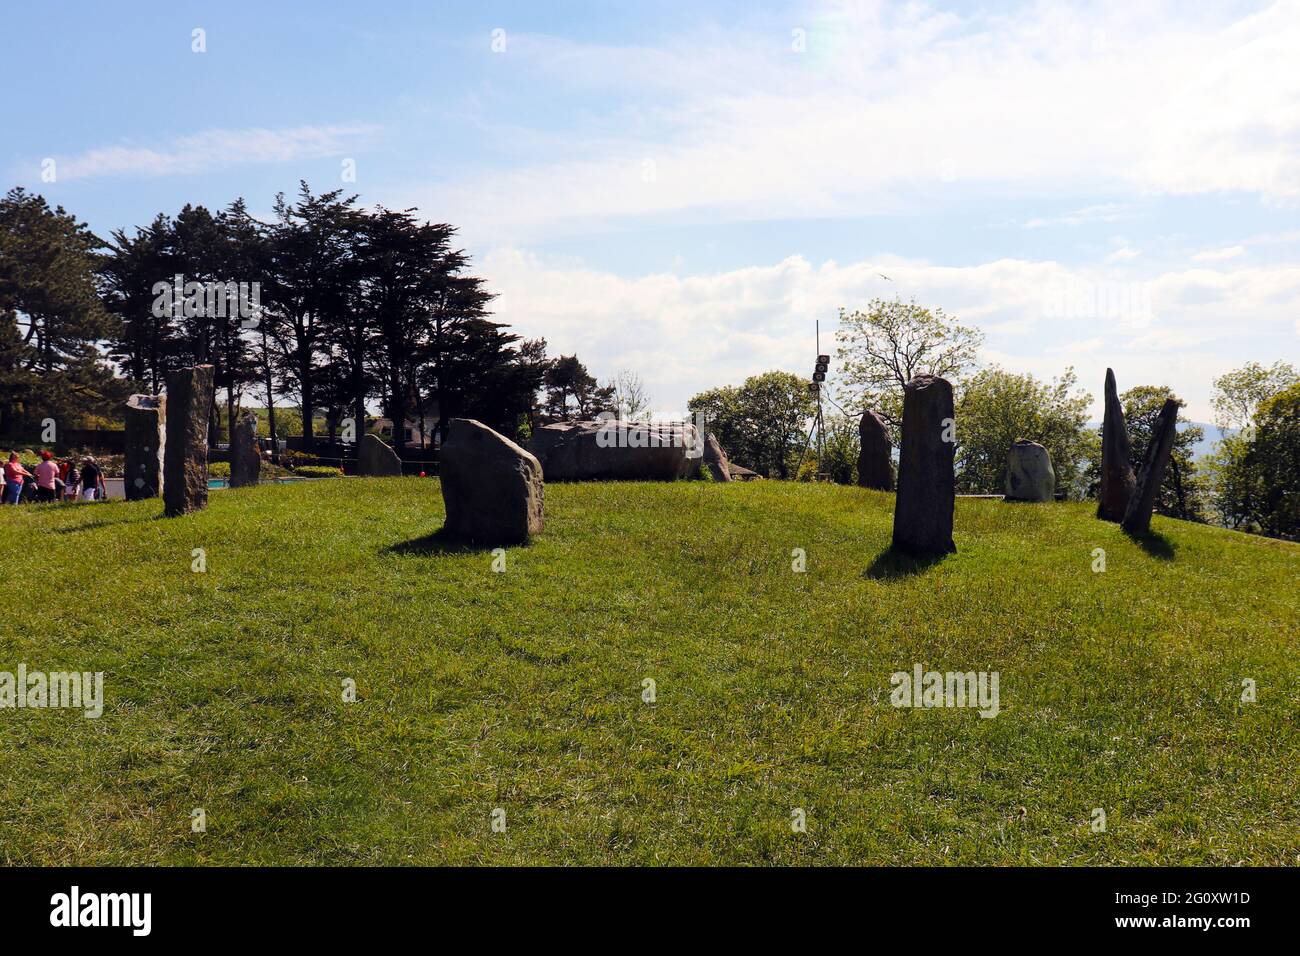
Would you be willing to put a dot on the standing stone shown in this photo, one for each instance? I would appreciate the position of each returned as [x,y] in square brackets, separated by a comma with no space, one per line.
[377,460]
[1117,481]
[146,439]
[1137,519]
[875,450]
[245,453]
[927,491]
[715,459]
[492,488]
[185,464]
[1029,472]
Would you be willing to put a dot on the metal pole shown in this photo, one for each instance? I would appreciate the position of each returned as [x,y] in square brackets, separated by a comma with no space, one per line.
[821,424]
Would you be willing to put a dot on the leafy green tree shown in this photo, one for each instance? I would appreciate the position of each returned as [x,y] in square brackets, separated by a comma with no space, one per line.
[996,407]
[572,393]
[840,447]
[310,280]
[1183,490]
[1237,394]
[763,424]
[1256,473]
[1234,486]
[884,347]
[132,266]
[1273,461]
[51,316]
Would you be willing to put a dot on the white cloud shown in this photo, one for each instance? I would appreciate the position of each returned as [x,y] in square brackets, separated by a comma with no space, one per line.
[1123,253]
[1102,212]
[891,108]
[214,149]
[1216,255]
[685,333]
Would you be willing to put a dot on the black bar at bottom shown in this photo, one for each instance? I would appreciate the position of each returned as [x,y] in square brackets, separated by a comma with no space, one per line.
[366,905]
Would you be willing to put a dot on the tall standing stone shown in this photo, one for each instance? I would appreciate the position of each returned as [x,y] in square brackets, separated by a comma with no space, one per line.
[245,454]
[1030,476]
[185,464]
[1117,481]
[1137,519]
[376,460]
[492,488]
[875,453]
[146,439]
[927,491]
[715,459]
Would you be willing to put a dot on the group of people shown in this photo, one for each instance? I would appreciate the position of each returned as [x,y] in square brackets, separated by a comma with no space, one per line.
[52,480]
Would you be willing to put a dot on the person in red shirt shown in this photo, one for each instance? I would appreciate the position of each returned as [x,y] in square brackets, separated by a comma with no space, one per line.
[47,474]
[14,475]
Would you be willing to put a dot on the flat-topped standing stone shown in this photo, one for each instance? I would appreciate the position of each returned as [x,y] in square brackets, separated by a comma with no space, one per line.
[377,460]
[1117,481]
[1137,519]
[927,489]
[245,454]
[492,488]
[715,459]
[146,438]
[875,450]
[185,463]
[1030,476]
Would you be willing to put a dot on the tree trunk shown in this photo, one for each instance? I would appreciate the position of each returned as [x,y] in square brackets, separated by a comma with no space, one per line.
[308,408]
[270,399]
[358,410]
[397,409]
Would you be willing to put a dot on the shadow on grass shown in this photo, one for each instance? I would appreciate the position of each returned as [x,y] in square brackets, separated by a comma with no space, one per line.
[1154,543]
[106,523]
[437,543]
[891,564]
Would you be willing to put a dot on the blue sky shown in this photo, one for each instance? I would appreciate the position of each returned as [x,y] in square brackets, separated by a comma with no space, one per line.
[682,189]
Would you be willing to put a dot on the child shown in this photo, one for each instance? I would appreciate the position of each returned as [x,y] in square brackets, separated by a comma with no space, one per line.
[71,480]
[92,480]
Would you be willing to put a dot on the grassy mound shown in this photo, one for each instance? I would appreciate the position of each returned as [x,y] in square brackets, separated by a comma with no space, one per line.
[523,690]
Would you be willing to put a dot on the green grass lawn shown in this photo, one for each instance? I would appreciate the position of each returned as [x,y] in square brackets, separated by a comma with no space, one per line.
[523,690]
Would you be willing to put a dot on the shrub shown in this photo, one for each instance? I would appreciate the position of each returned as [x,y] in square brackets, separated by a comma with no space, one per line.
[318,471]
[218,469]
[293,459]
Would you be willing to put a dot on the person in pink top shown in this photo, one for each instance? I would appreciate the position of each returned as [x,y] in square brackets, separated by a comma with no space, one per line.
[47,475]
[14,475]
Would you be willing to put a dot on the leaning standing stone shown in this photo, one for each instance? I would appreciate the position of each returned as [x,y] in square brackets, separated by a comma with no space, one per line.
[146,438]
[875,453]
[716,459]
[1137,519]
[377,460]
[492,488]
[1117,481]
[185,465]
[245,455]
[926,485]
[1029,472]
